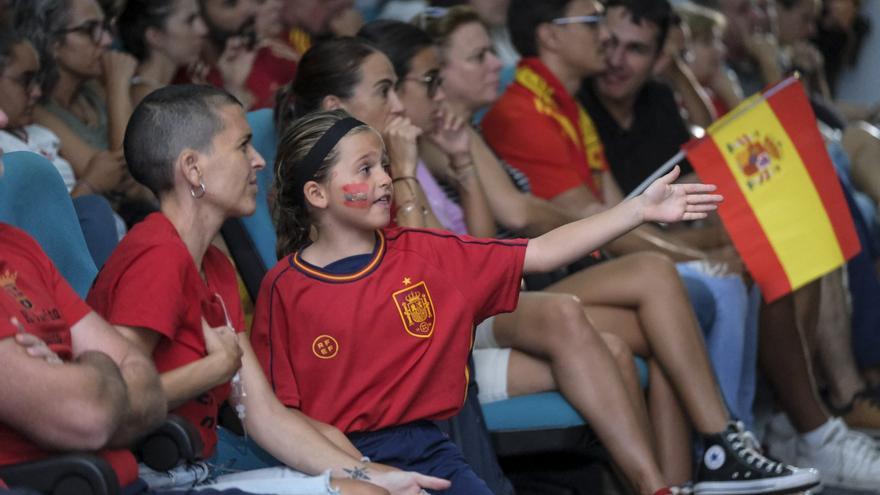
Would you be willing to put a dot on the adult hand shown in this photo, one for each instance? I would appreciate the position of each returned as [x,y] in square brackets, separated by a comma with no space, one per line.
[401,138]
[34,346]
[197,72]
[222,342]
[235,63]
[666,202]
[450,134]
[118,69]
[406,482]
[763,47]
[105,171]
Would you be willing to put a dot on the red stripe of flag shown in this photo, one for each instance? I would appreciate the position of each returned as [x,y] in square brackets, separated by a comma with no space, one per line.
[796,116]
[752,244]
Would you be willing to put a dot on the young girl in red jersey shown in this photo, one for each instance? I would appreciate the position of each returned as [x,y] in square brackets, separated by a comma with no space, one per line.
[369,328]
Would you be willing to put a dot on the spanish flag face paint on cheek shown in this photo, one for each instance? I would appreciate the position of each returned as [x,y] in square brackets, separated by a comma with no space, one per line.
[356,195]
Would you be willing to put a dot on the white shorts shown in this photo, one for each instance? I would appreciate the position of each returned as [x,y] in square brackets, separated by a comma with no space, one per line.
[485,336]
[490,363]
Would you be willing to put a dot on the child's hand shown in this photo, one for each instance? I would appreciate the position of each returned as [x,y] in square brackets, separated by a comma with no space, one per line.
[666,202]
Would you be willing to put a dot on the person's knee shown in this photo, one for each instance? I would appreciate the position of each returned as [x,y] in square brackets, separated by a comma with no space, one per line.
[654,269]
[567,328]
[619,349]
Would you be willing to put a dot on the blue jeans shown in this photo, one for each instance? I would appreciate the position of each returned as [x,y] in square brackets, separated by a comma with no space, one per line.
[732,339]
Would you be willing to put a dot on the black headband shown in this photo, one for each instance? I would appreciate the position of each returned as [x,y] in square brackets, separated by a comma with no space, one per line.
[306,168]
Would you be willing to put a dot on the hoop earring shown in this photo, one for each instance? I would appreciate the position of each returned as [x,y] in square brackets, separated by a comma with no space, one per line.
[198,193]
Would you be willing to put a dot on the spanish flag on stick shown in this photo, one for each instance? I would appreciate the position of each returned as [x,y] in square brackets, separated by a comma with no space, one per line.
[783,208]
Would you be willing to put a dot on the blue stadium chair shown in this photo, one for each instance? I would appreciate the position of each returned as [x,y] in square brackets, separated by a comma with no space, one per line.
[33,198]
[522,425]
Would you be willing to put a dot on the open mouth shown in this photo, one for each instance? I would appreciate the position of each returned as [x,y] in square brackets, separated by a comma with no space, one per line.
[383,200]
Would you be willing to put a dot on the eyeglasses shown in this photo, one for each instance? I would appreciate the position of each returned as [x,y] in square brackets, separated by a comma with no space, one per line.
[590,20]
[432,80]
[94,29]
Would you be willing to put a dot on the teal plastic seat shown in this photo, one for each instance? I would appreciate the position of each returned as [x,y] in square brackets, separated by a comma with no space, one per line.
[33,198]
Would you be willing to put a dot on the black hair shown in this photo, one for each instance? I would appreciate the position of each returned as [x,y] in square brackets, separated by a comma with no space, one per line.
[42,22]
[657,12]
[136,18]
[168,121]
[9,38]
[524,17]
[331,67]
[399,41]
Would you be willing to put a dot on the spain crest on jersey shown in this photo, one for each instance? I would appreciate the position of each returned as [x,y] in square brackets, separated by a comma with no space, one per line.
[416,310]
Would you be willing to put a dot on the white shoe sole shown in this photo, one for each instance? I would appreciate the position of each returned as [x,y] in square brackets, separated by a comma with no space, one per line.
[788,484]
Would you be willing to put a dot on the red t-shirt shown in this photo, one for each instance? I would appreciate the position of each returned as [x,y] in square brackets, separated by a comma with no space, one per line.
[388,344]
[45,304]
[541,135]
[151,281]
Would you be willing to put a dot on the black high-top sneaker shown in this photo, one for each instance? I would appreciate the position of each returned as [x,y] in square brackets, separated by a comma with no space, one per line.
[733,465]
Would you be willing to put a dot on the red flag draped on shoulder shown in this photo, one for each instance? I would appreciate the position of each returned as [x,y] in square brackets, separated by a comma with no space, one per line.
[783,205]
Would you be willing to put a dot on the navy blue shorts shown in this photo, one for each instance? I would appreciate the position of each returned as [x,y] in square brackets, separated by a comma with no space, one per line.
[423,448]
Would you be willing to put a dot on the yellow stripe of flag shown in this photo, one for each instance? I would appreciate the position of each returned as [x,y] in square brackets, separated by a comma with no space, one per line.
[780,193]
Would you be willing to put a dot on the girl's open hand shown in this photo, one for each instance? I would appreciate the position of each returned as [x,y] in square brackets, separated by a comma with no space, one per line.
[666,202]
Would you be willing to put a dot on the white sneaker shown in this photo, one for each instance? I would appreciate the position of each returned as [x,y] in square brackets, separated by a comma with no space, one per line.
[846,459]
[781,439]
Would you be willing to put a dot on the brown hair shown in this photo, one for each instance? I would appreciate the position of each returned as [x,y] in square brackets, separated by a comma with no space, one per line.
[441,23]
[293,220]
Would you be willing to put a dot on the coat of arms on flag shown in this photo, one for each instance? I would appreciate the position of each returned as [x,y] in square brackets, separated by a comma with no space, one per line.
[784,208]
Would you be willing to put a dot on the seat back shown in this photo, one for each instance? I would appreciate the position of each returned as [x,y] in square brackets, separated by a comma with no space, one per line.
[33,198]
[259,225]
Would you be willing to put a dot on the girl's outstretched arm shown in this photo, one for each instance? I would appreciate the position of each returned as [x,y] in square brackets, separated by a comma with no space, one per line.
[663,202]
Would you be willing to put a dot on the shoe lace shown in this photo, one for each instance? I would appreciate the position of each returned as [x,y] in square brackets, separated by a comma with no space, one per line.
[748,449]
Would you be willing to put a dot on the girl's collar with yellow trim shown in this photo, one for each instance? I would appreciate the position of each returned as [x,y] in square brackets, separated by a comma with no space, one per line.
[318,273]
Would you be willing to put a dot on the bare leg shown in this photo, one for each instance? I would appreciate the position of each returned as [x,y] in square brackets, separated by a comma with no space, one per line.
[783,357]
[670,426]
[641,298]
[861,141]
[554,328]
[833,343]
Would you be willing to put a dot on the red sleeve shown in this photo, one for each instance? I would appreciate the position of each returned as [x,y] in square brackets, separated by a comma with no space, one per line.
[490,269]
[148,291]
[68,302]
[270,336]
[534,144]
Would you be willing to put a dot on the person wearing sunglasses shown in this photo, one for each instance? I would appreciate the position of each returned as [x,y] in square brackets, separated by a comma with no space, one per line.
[86,92]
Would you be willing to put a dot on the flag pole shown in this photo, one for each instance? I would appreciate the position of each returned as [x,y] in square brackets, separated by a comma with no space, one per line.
[667,166]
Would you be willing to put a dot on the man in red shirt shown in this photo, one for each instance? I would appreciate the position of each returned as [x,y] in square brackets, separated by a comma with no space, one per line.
[70,382]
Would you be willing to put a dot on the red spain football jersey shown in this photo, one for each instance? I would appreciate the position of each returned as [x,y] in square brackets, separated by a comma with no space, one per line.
[45,305]
[389,344]
[151,281]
